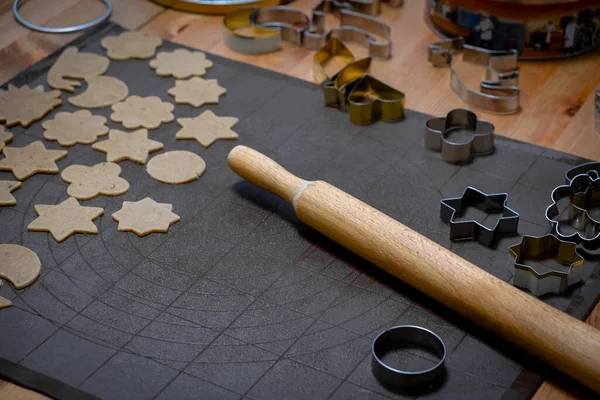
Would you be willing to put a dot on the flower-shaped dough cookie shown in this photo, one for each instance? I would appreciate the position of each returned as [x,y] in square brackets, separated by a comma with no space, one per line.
[130,45]
[24,105]
[197,91]
[181,63]
[78,127]
[148,112]
[5,137]
[88,182]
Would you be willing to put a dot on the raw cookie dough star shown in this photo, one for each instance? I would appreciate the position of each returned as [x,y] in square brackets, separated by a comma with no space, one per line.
[65,219]
[6,188]
[145,216]
[23,105]
[5,137]
[133,146]
[207,128]
[27,161]
[197,91]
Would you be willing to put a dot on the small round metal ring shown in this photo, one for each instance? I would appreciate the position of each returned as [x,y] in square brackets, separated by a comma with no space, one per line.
[408,334]
[65,29]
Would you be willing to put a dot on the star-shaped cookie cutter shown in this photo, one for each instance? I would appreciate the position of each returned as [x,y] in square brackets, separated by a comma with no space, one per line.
[454,207]
[534,248]
[583,192]
[439,129]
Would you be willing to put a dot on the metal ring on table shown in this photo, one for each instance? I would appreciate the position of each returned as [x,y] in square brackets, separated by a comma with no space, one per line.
[65,29]
[410,334]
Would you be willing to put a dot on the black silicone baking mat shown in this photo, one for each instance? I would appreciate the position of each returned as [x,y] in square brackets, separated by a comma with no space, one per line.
[240,299]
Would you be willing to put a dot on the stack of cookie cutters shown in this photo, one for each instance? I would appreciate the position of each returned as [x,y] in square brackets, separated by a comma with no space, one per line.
[289,24]
[499,92]
[583,193]
[543,248]
[439,130]
[353,90]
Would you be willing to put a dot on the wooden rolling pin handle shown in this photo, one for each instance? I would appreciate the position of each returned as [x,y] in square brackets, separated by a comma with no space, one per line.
[562,341]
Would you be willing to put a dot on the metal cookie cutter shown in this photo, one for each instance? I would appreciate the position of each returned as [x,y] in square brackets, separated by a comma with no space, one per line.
[489,203]
[369,7]
[499,92]
[371,100]
[583,192]
[480,139]
[592,169]
[334,49]
[337,89]
[355,27]
[542,248]
[291,22]
[62,29]
[398,337]
[243,37]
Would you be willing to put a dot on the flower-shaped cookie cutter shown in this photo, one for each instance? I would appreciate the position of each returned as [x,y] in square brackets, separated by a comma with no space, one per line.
[583,193]
[546,247]
[592,169]
[480,140]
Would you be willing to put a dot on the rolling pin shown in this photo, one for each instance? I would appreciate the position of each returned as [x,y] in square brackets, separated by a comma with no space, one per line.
[562,341]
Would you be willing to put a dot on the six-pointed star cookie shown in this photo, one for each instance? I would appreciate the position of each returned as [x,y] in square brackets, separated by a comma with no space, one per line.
[145,216]
[65,219]
[197,91]
[31,159]
[6,188]
[181,64]
[5,137]
[133,146]
[23,105]
[206,128]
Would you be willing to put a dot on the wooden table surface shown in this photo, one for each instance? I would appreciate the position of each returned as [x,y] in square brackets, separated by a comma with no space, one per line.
[557,101]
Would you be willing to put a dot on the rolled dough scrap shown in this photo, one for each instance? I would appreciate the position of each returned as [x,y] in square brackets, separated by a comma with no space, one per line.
[5,137]
[65,219]
[72,64]
[207,128]
[181,63]
[176,167]
[145,216]
[23,105]
[6,188]
[130,45]
[78,127]
[20,266]
[148,112]
[102,91]
[34,158]
[88,182]
[133,146]
[197,91]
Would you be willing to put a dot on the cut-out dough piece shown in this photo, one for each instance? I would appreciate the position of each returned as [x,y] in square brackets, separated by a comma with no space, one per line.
[6,188]
[147,112]
[72,64]
[207,128]
[102,91]
[5,303]
[145,216]
[181,63]
[78,127]
[197,91]
[27,161]
[5,137]
[23,105]
[176,167]
[130,45]
[133,146]
[89,182]
[20,266]
[65,219]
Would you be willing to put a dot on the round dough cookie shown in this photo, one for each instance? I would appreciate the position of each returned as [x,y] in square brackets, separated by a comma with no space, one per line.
[176,167]
[20,266]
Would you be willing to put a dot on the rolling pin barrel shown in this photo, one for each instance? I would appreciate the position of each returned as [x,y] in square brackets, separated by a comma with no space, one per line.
[562,341]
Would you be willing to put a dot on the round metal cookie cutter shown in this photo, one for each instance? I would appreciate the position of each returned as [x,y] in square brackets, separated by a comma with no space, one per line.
[62,29]
[409,334]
